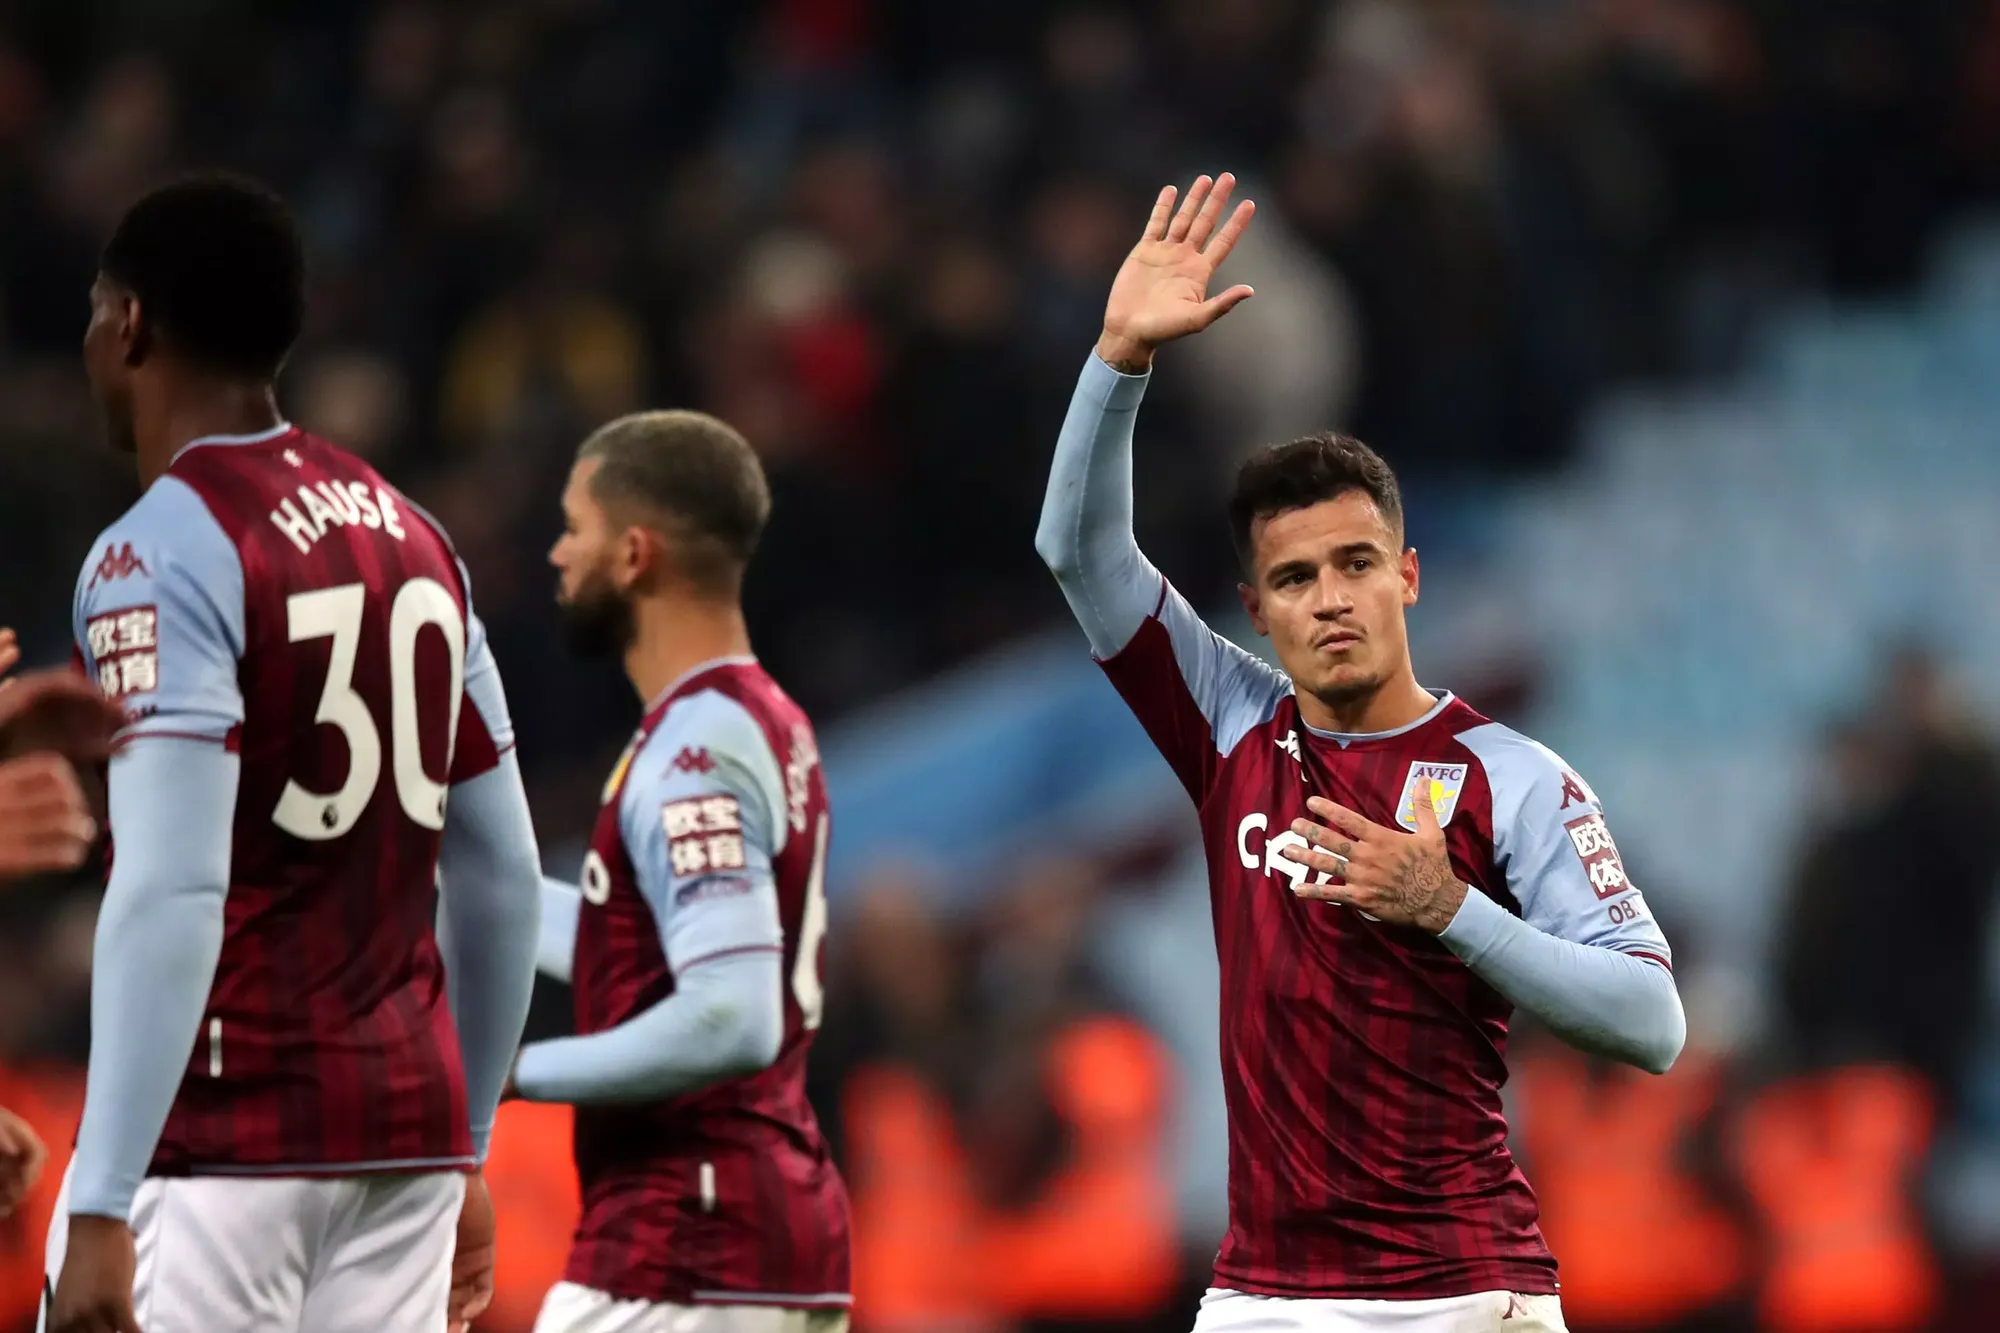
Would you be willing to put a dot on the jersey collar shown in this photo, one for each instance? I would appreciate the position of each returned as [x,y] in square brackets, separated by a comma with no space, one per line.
[1444,698]
[283,428]
[699,668]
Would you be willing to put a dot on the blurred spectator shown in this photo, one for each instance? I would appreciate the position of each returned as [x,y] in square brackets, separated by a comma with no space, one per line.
[355,397]
[1003,1131]
[1883,951]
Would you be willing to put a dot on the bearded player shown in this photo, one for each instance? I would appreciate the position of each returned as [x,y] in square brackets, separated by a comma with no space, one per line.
[710,1200]
[281,1113]
[1391,873]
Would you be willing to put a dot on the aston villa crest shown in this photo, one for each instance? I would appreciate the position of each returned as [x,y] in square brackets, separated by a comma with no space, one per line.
[1446,780]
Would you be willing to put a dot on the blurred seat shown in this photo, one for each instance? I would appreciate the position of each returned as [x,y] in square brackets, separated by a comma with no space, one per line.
[1722,570]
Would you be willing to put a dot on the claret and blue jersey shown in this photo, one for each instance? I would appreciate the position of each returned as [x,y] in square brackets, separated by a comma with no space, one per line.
[273,597]
[1362,1062]
[710,847]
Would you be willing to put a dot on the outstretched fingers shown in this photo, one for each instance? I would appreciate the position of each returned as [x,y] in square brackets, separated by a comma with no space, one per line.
[1197,193]
[1312,858]
[1215,307]
[1347,821]
[1163,213]
[1204,222]
[1232,230]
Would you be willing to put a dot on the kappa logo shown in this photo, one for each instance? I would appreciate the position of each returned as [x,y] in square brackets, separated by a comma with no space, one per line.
[1574,792]
[120,562]
[1290,745]
[1447,781]
[693,760]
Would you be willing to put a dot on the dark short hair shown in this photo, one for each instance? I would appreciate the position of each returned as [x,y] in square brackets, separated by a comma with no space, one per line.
[1317,467]
[696,471]
[219,269]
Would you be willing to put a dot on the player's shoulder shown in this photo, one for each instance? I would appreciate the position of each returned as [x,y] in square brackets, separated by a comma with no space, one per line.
[707,726]
[1522,773]
[168,532]
[1175,638]
[710,738]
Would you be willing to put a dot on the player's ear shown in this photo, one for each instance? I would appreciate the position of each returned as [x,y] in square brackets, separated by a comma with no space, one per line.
[1253,606]
[635,557]
[135,331]
[1411,576]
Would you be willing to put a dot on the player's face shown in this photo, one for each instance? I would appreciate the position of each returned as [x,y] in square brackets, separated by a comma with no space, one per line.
[596,606]
[1332,583]
[107,358]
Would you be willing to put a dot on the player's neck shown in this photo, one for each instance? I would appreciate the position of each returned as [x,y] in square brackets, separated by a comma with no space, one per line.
[208,408]
[676,635]
[1396,704]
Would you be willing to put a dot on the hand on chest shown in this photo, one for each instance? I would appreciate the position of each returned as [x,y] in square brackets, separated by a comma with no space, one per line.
[1377,791]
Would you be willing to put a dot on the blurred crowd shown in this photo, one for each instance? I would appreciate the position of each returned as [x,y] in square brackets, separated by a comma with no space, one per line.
[875,235]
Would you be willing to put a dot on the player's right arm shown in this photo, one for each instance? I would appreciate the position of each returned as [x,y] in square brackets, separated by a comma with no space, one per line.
[702,837]
[1195,692]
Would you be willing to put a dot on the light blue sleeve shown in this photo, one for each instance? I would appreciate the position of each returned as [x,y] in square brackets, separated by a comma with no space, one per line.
[483,688]
[703,816]
[489,918]
[1585,956]
[159,934]
[1086,535]
[489,878]
[159,616]
[703,813]
[555,952]
[1086,539]
[159,622]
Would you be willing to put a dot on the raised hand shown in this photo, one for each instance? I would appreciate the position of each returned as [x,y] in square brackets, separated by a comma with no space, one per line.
[1403,878]
[1161,291]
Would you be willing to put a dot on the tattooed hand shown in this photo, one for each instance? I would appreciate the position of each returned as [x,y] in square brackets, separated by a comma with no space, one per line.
[1393,876]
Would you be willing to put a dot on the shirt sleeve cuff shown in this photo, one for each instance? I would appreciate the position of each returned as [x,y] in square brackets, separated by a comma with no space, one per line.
[1478,925]
[1114,390]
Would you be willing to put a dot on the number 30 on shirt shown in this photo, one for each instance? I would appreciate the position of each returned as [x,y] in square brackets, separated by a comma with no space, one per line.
[336,613]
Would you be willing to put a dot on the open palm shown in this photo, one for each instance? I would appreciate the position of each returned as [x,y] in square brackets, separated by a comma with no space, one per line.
[1161,291]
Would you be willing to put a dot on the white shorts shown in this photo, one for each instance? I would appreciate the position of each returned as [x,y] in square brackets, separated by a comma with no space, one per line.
[360,1254]
[1482,1312]
[569,1308]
